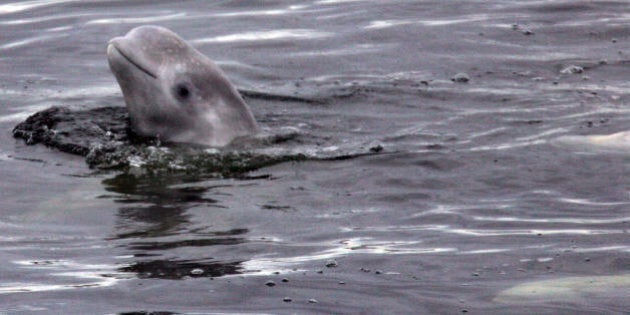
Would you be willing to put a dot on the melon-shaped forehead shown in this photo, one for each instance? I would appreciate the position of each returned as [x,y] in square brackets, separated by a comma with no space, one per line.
[159,43]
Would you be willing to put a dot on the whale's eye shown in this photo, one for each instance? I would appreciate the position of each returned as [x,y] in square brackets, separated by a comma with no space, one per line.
[182,91]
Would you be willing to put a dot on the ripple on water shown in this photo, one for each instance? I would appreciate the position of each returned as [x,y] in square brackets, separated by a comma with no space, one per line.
[140,20]
[283,34]
[76,276]
[16,7]
[471,186]
[31,41]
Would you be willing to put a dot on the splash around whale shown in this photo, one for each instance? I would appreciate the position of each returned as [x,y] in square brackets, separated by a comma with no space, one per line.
[174,92]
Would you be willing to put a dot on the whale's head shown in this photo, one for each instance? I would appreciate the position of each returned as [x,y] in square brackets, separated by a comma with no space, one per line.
[174,92]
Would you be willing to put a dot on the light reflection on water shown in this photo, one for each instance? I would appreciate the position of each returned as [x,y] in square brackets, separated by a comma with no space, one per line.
[288,10]
[31,41]
[29,5]
[554,220]
[343,248]
[264,36]
[391,23]
[135,20]
[81,276]
[449,229]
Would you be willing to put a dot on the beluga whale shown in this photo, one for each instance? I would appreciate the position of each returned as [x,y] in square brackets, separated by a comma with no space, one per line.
[174,92]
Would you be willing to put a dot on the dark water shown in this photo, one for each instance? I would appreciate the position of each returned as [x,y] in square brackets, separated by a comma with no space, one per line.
[469,209]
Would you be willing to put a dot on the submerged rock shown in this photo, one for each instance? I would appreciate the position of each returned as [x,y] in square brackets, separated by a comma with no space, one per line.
[75,132]
[103,137]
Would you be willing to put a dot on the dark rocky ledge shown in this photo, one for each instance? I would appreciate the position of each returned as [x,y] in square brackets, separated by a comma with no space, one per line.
[104,137]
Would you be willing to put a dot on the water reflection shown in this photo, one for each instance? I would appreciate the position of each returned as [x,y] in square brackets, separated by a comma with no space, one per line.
[154,207]
[154,219]
[293,34]
[146,20]
[177,270]
[28,5]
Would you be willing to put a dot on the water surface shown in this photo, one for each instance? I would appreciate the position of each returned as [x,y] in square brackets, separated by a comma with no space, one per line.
[469,208]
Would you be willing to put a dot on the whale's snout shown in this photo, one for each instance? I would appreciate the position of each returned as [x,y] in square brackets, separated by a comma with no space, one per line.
[111,49]
[121,52]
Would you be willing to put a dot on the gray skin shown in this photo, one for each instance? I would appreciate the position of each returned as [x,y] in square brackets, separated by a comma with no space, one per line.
[174,92]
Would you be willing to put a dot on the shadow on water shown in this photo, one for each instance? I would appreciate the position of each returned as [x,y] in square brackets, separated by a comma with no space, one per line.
[154,217]
[178,270]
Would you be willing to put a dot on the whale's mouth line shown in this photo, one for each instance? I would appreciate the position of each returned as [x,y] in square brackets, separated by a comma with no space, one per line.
[135,64]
